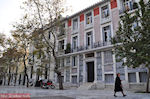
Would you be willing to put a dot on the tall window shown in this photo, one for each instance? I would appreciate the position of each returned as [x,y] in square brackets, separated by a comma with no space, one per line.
[75,24]
[74,61]
[128,4]
[61,45]
[89,39]
[89,18]
[62,29]
[67,61]
[105,11]
[106,34]
[132,77]
[62,63]
[108,61]
[74,42]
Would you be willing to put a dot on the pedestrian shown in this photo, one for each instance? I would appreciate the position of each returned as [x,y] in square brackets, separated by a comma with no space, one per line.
[118,86]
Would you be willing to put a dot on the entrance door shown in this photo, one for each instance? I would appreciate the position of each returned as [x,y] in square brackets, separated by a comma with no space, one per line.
[90,71]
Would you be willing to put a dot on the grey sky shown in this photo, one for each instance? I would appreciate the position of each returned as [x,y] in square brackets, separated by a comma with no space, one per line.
[10,11]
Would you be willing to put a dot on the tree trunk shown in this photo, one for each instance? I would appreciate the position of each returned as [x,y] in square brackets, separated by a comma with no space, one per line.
[25,71]
[16,75]
[24,79]
[148,77]
[60,81]
[9,76]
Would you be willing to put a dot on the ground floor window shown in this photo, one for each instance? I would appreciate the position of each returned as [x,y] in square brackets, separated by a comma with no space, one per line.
[74,79]
[143,76]
[67,75]
[109,78]
[132,77]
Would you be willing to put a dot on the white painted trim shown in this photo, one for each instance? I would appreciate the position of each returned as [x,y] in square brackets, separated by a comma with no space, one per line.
[77,39]
[92,33]
[85,25]
[77,30]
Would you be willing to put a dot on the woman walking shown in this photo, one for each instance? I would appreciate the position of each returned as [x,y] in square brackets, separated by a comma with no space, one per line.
[118,86]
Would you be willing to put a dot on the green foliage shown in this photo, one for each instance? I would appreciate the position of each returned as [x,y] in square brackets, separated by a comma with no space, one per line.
[132,42]
[68,48]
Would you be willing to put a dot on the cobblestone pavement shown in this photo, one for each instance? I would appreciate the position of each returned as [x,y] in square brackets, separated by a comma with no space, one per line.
[38,93]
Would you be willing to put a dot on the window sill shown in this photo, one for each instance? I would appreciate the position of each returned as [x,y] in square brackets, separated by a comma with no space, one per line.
[75,31]
[74,66]
[87,26]
[105,20]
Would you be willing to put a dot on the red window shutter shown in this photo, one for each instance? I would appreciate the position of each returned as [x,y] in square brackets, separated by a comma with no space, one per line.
[69,22]
[81,17]
[96,11]
[113,4]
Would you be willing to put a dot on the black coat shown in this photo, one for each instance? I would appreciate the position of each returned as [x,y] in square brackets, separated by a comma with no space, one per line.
[118,85]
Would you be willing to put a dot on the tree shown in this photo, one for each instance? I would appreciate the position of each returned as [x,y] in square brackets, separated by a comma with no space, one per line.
[22,38]
[46,16]
[8,58]
[132,38]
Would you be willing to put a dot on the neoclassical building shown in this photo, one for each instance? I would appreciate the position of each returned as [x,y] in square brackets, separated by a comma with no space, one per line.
[84,48]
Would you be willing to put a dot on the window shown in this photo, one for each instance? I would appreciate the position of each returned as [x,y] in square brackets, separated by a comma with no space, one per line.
[75,24]
[68,61]
[62,29]
[132,77]
[108,61]
[61,45]
[108,57]
[128,4]
[67,75]
[89,18]
[74,42]
[143,76]
[89,39]
[105,11]
[109,78]
[106,34]
[74,61]
[74,79]
[62,64]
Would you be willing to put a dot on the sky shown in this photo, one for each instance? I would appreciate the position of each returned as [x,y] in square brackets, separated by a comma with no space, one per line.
[10,11]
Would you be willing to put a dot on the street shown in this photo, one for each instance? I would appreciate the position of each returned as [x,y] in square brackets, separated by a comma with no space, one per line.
[38,93]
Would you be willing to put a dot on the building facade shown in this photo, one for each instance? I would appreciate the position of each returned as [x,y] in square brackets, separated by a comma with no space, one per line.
[84,48]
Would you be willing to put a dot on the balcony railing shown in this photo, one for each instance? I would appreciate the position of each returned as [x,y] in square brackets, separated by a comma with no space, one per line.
[93,46]
[128,6]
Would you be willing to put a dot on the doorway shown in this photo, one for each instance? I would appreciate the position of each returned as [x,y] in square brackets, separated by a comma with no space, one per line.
[90,71]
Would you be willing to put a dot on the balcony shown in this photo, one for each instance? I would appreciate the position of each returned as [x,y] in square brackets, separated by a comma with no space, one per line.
[84,48]
[128,6]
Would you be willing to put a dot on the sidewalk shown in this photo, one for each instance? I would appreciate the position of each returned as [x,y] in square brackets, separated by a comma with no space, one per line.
[38,93]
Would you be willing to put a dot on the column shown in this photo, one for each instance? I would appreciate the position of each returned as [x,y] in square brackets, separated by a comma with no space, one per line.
[64,75]
[114,65]
[137,77]
[102,54]
[84,69]
[126,73]
[78,66]
[95,67]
